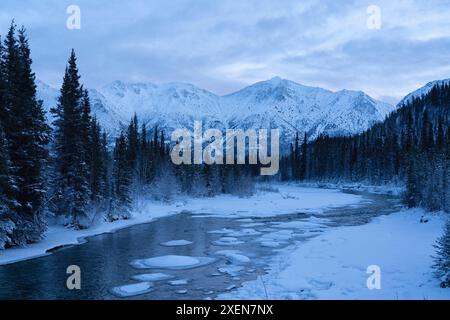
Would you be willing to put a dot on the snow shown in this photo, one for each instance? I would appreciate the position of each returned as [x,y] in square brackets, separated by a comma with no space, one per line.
[234,256]
[303,225]
[244,232]
[180,282]
[271,244]
[285,199]
[228,241]
[132,289]
[176,243]
[334,264]
[152,277]
[181,292]
[232,270]
[171,262]
[423,90]
[276,103]
[236,233]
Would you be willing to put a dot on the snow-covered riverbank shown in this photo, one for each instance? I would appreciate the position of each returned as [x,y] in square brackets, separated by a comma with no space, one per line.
[279,199]
[334,264]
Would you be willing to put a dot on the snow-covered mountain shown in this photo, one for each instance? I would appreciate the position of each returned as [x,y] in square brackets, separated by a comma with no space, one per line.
[275,103]
[423,90]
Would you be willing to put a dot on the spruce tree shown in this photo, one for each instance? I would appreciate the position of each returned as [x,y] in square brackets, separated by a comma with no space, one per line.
[72,194]
[3,106]
[7,214]
[27,135]
[96,161]
[121,200]
[303,160]
[442,258]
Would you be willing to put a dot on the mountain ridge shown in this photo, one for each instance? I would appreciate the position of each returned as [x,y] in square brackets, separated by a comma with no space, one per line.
[274,103]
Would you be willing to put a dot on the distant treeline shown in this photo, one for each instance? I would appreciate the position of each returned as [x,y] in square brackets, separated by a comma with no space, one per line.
[412,146]
[67,171]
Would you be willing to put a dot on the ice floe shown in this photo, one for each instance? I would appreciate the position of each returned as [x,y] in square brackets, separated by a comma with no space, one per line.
[243,233]
[152,277]
[271,244]
[171,262]
[303,225]
[180,282]
[132,289]
[181,292]
[234,256]
[253,225]
[221,231]
[176,243]
[228,241]
[232,270]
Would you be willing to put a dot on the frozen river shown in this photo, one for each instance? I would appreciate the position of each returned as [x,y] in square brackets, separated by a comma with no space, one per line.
[178,257]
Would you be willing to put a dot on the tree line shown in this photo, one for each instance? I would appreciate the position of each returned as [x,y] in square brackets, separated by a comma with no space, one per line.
[70,170]
[411,148]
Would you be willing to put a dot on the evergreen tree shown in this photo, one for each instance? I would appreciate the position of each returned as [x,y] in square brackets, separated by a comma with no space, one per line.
[7,215]
[86,132]
[442,259]
[121,201]
[303,161]
[133,143]
[97,161]
[27,135]
[72,186]
[3,86]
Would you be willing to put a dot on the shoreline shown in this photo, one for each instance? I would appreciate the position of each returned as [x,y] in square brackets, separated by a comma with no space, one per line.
[298,272]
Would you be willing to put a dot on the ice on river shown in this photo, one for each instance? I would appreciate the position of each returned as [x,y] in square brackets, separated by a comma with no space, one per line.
[171,262]
[243,233]
[236,233]
[303,225]
[234,256]
[132,289]
[281,235]
[253,225]
[228,241]
[152,277]
[180,282]
[176,243]
[232,270]
[182,292]
[221,231]
[271,244]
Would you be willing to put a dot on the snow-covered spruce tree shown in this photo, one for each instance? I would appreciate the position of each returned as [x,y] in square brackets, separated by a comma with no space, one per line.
[7,215]
[72,192]
[97,163]
[442,258]
[86,132]
[446,178]
[105,169]
[121,179]
[27,135]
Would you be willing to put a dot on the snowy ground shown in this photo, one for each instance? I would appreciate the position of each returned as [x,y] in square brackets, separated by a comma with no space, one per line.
[334,264]
[279,199]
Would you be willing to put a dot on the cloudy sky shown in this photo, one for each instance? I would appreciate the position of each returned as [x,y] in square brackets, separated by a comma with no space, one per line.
[223,45]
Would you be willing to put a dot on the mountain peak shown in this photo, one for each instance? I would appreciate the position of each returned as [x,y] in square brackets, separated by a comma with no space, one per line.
[274,103]
[422,91]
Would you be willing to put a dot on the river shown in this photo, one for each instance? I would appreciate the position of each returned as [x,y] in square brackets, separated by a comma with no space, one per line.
[238,250]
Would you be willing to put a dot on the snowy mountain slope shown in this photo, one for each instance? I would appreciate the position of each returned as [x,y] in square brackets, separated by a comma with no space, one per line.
[275,103]
[423,90]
